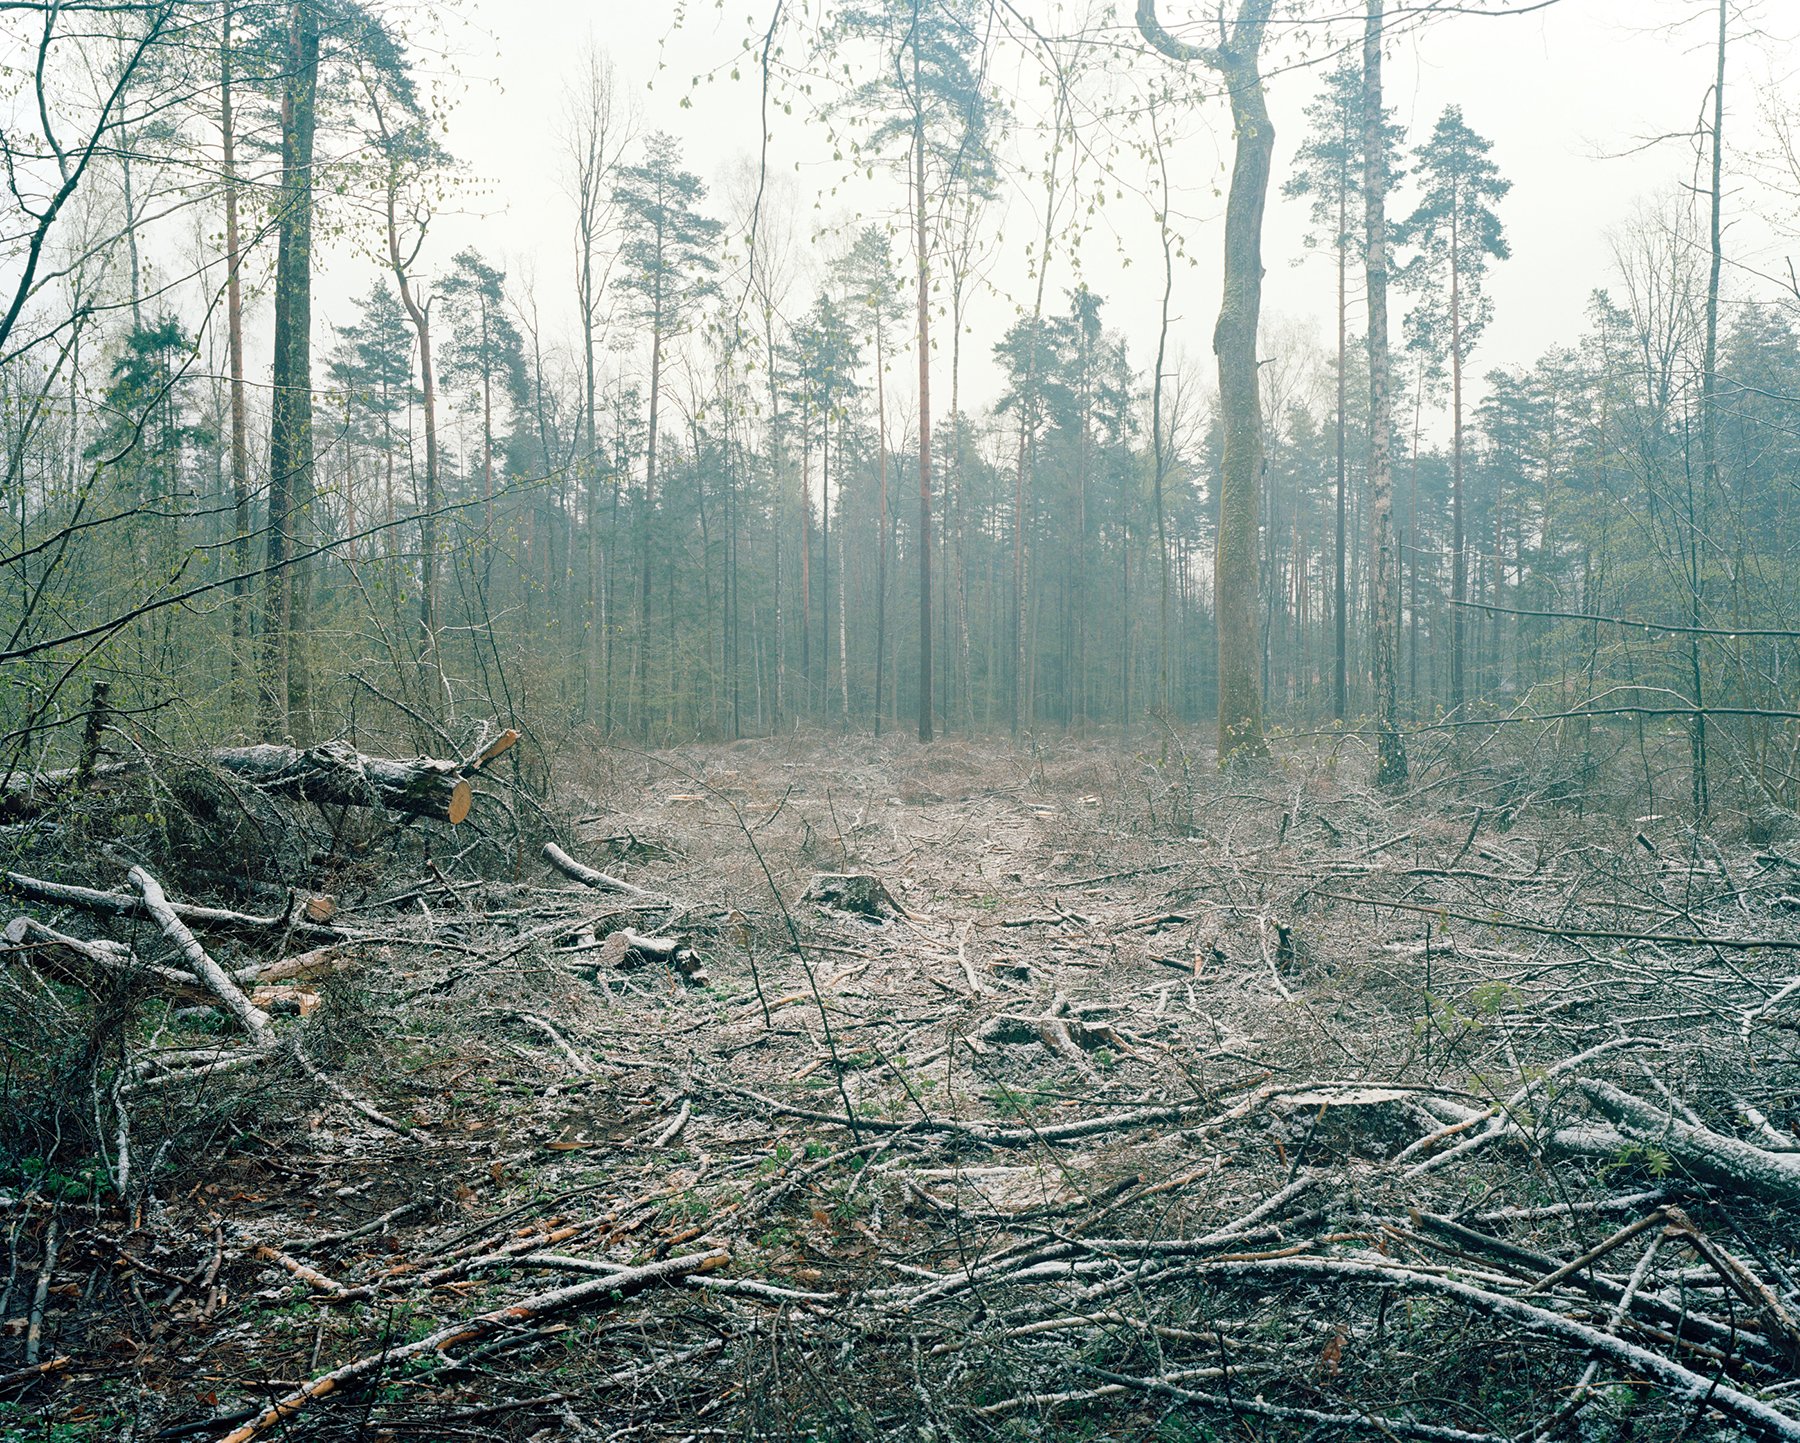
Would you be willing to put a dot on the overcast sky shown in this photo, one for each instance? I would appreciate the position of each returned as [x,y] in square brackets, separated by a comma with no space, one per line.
[1570,96]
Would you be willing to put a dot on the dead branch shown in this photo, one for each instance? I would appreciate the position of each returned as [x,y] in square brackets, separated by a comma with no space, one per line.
[609,1287]
[251,1017]
[1700,1150]
[600,881]
[123,904]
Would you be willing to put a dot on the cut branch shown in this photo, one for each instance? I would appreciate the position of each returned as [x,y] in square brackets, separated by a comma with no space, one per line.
[606,1288]
[251,1017]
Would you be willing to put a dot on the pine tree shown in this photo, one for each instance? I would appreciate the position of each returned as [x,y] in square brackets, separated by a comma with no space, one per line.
[1328,171]
[1454,233]
[668,257]
[824,356]
[372,366]
[484,356]
[1384,552]
[866,275]
[151,427]
[931,117]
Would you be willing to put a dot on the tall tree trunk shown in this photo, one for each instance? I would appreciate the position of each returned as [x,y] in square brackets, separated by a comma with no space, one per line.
[134,260]
[843,618]
[1709,432]
[1019,710]
[234,324]
[825,553]
[1237,556]
[1459,545]
[430,668]
[805,607]
[285,700]
[1125,628]
[1384,588]
[1411,552]
[487,458]
[1340,667]
[1021,705]
[961,673]
[881,547]
[1158,444]
[641,691]
[596,628]
[921,243]
[733,622]
[771,371]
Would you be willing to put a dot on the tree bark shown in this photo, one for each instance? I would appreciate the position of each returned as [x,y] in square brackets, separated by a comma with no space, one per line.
[1340,670]
[1459,540]
[1384,587]
[642,695]
[1236,557]
[1709,428]
[336,774]
[285,700]
[234,322]
[881,539]
[921,243]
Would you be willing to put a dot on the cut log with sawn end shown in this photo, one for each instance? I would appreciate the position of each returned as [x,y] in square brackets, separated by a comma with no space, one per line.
[337,774]
[333,773]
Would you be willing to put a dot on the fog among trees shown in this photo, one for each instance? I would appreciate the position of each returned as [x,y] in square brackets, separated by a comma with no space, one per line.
[902,601]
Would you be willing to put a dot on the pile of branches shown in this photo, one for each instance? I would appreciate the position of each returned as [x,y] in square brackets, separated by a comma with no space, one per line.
[1324,1117]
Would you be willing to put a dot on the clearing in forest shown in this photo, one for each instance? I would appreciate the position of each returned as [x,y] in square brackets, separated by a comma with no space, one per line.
[838,1089]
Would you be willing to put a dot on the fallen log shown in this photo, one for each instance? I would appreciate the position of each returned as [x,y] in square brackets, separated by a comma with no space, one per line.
[625,949]
[1707,1154]
[306,967]
[123,904]
[333,772]
[24,796]
[581,872]
[337,774]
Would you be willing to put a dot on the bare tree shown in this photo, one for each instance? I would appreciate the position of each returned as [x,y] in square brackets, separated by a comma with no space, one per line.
[234,323]
[407,155]
[46,167]
[1237,60]
[596,129]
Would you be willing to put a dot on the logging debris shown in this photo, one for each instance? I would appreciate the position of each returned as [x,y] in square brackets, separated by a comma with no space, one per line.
[1259,1099]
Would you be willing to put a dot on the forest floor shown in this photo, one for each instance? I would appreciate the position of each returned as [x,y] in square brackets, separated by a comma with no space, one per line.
[1140,1102]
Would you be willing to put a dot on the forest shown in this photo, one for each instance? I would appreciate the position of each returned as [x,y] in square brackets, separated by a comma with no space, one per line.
[951,719]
